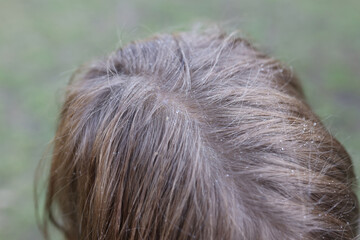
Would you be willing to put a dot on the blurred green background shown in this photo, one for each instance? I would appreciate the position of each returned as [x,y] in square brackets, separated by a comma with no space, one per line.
[43,42]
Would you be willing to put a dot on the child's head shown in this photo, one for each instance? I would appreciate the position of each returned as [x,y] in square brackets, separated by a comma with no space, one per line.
[196,136]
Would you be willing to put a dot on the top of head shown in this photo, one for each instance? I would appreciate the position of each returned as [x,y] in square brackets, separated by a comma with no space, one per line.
[196,135]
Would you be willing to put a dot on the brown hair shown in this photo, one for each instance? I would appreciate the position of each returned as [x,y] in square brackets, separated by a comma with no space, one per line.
[195,136]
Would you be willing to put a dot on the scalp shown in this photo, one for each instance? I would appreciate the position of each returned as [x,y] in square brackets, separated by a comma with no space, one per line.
[196,135]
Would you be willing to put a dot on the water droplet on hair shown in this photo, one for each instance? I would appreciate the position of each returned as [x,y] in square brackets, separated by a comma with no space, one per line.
[347,223]
[282,149]
[314,124]
[227,175]
[305,217]
[177,111]
[292,171]
[312,141]
[320,215]
[167,118]
[280,140]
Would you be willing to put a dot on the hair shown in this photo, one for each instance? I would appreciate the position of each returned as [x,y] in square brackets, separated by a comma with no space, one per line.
[195,135]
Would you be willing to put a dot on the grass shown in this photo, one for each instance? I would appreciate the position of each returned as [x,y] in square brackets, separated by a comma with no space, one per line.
[42,42]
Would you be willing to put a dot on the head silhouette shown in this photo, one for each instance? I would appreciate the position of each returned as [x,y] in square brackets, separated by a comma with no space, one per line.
[195,135]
